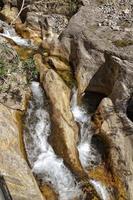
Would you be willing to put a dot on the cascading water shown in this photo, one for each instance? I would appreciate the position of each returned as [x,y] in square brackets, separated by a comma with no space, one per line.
[10,33]
[45,164]
[88,155]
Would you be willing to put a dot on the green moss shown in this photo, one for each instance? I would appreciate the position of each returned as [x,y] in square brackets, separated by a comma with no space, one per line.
[123,42]
[67,76]
[29,67]
[106,1]
[3,69]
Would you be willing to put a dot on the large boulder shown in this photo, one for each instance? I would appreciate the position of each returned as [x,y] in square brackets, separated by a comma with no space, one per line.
[88,38]
[120,145]
[64,129]
[64,136]
[13,167]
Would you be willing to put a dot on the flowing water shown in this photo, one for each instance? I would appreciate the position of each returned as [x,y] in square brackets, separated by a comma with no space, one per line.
[88,155]
[45,164]
[49,168]
[10,33]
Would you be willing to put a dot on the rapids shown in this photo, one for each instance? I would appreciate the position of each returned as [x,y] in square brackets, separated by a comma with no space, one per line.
[45,164]
[87,154]
[47,167]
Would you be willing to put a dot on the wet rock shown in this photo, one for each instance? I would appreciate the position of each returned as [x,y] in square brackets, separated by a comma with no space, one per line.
[48,193]
[13,167]
[65,131]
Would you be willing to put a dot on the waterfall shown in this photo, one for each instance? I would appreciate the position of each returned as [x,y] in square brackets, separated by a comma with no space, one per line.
[87,154]
[43,160]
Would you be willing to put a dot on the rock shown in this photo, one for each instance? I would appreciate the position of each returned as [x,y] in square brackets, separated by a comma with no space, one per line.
[87,43]
[13,167]
[50,14]
[10,14]
[15,76]
[57,63]
[120,146]
[48,193]
[65,131]
[102,62]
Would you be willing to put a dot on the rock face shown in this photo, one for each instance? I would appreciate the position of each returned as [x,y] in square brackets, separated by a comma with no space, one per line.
[13,167]
[120,145]
[88,42]
[101,57]
[65,131]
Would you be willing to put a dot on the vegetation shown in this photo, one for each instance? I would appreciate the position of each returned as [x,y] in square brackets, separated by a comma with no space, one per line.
[29,67]
[67,76]
[123,42]
[3,70]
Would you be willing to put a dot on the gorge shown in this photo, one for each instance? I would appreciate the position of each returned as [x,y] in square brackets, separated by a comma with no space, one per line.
[66,111]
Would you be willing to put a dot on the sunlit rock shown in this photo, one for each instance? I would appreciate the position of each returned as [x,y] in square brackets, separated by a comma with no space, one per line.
[10,14]
[120,153]
[46,165]
[64,137]
[13,167]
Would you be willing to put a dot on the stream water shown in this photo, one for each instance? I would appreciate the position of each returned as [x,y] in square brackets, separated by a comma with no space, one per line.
[88,155]
[45,164]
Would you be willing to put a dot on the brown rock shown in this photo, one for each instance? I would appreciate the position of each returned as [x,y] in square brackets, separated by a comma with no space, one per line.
[87,42]
[120,146]
[10,14]
[65,131]
[13,167]
[48,193]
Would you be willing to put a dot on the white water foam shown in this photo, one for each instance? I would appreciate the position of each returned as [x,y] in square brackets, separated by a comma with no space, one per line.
[83,118]
[46,165]
[10,33]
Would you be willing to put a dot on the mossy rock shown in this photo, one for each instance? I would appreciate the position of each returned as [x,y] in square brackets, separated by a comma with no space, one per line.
[123,42]
[29,67]
[15,77]
[67,76]
[63,7]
